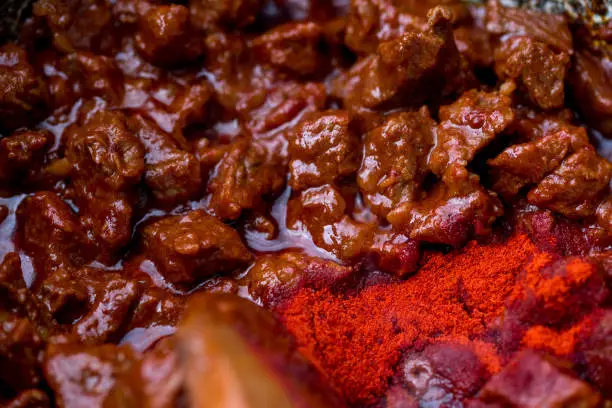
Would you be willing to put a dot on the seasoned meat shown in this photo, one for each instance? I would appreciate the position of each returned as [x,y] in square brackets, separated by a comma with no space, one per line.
[22,92]
[468,125]
[193,246]
[322,149]
[165,36]
[305,203]
[394,163]
[539,69]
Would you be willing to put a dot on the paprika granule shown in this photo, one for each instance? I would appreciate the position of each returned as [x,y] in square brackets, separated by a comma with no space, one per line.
[357,341]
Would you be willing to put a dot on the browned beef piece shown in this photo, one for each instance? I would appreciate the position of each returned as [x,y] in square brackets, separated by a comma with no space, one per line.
[82,25]
[456,209]
[371,22]
[172,174]
[107,161]
[528,163]
[22,154]
[548,28]
[243,176]
[322,149]
[84,74]
[468,125]
[83,376]
[320,212]
[574,189]
[274,278]
[394,163]
[166,37]
[154,380]
[417,66]
[24,329]
[22,93]
[591,83]
[50,232]
[293,47]
[189,248]
[536,67]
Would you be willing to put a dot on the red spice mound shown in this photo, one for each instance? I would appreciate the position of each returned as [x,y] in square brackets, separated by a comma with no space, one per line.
[357,341]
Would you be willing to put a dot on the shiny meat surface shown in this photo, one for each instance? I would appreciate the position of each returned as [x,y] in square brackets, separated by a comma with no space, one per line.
[176,177]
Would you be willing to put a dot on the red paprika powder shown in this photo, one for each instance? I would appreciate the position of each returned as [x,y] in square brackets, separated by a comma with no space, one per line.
[357,341]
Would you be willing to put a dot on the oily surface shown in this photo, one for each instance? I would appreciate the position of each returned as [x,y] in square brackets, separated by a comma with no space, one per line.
[414,197]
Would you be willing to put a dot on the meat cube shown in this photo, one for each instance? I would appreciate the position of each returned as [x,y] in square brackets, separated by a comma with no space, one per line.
[549,28]
[83,376]
[536,67]
[320,213]
[322,149]
[274,278]
[528,163]
[21,351]
[530,381]
[111,299]
[573,188]
[189,107]
[273,113]
[188,248]
[396,253]
[22,94]
[107,161]
[469,124]
[597,354]
[165,36]
[96,303]
[475,43]
[108,215]
[371,22]
[24,325]
[156,307]
[530,124]
[22,154]
[293,47]
[268,108]
[172,174]
[590,79]
[104,151]
[242,178]
[394,163]
[208,15]
[409,69]
[455,210]
[77,25]
[66,302]
[155,381]
[50,232]
[84,74]
[16,296]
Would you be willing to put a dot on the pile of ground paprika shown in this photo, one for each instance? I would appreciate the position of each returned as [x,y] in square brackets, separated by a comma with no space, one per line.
[498,297]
